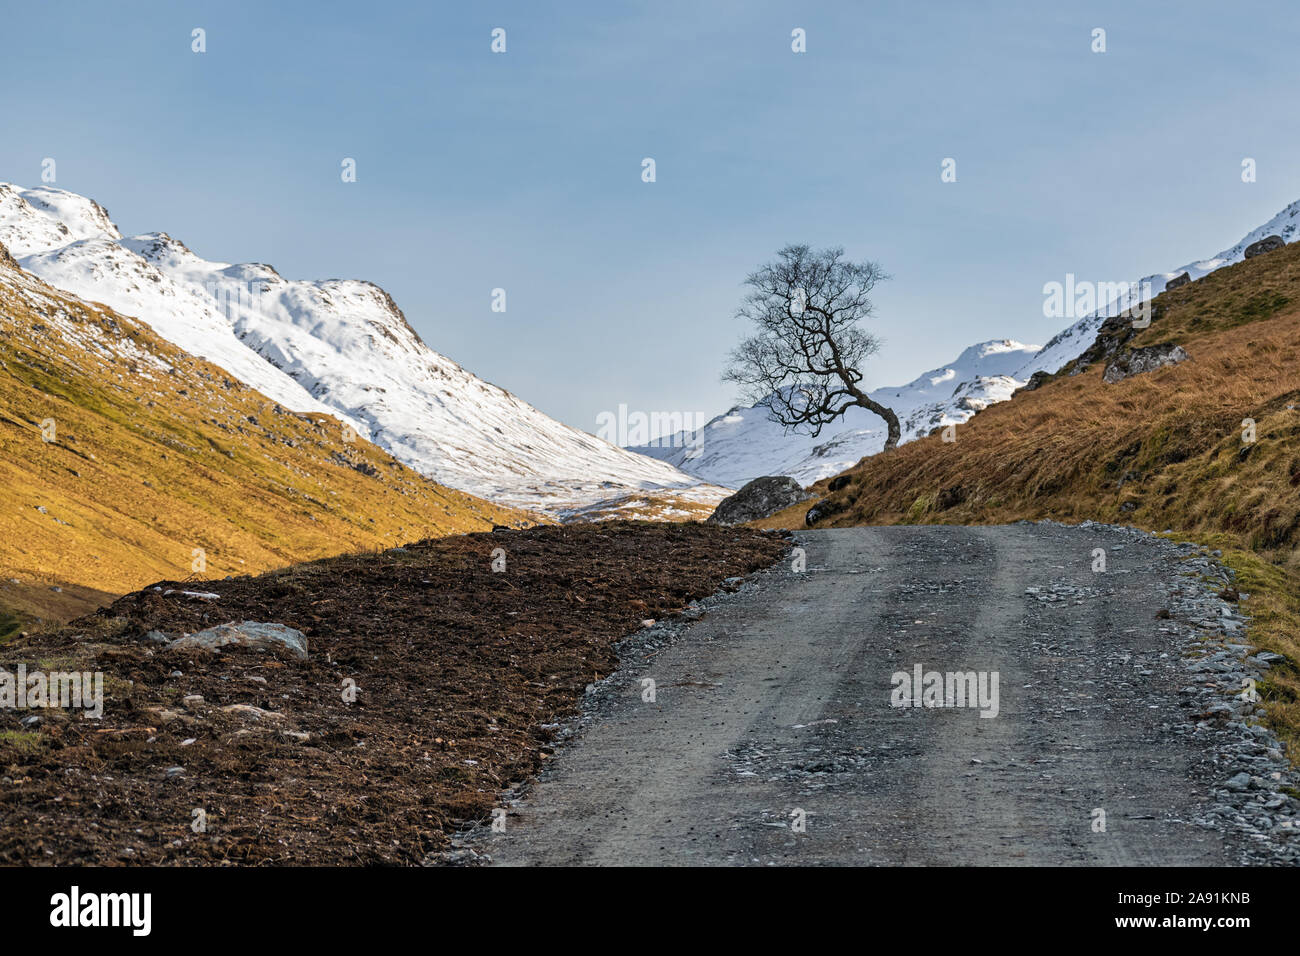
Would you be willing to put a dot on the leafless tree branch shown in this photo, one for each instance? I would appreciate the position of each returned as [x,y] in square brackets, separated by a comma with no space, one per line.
[804,363]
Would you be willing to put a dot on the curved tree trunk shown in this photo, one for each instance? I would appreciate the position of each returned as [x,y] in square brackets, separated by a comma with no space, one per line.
[888,415]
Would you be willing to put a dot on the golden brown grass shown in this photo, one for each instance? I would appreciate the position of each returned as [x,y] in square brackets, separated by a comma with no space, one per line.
[147,466]
[1162,450]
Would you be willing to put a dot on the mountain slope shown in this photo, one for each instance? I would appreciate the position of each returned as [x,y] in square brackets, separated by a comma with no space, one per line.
[70,242]
[1071,342]
[341,346]
[744,443]
[1162,449]
[120,454]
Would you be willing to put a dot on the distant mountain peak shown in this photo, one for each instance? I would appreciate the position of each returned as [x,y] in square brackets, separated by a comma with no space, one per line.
[337,346]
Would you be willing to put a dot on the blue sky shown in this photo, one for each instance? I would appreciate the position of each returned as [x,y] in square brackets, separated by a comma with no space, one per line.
[523,170]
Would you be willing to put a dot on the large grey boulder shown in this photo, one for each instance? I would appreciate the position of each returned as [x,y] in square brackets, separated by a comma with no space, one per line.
[1267,244]
[249,634]
[758,499]
[1177,282]
[1137,361]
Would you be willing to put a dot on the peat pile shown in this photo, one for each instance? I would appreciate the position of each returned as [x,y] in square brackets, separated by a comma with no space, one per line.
[251,755]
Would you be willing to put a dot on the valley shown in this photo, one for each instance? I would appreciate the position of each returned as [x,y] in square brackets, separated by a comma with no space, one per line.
[124,460]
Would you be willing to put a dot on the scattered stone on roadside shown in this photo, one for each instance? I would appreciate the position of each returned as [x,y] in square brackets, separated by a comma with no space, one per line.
[462,856]
[1238,782]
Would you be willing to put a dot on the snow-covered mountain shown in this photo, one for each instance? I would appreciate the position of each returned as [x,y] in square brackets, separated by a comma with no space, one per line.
[70,242]
[744,443]
[342,347]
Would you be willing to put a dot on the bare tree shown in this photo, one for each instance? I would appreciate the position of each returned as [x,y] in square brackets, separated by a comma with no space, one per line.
[803,366]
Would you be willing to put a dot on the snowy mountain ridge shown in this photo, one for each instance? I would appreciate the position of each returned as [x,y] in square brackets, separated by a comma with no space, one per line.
[743,443]
[340,347]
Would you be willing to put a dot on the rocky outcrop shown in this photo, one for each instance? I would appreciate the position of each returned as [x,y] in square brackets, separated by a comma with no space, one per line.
[1036,381]
[1178,281]
[824,509]
[758,499]
[249,634]
[1137,361]
[1267,244]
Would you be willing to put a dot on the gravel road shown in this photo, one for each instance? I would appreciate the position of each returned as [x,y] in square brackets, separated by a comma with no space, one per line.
[775,732]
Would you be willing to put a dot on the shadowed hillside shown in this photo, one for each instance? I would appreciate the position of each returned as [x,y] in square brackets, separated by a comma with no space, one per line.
[124,459]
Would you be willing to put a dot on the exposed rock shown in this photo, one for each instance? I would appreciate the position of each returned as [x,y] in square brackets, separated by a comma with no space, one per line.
[823,509]
[1178,281]
[251,712]
[758,499]
[841,481]
[1137,361]
[1036,380]
[950,497]
[1267,244]
[249,634]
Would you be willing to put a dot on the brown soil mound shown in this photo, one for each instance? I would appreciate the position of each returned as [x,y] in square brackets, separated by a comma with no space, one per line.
[459,670]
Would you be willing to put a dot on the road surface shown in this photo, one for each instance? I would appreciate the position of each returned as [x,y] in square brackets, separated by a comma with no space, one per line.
[776,735]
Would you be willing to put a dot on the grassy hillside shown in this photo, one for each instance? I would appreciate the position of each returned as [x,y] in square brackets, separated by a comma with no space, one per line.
[156,456]
[1162,451]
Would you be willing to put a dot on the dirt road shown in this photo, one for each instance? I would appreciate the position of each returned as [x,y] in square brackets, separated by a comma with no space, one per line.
[775,731]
